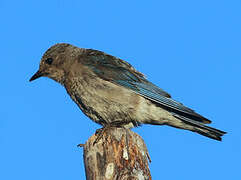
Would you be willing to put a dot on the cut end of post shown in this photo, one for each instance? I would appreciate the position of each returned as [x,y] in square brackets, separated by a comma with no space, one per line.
[119,153]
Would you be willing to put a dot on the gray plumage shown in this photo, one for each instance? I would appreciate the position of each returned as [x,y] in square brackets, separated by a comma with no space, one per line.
[110,91]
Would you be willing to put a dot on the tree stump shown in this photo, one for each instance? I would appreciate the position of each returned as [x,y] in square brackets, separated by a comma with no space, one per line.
[120,154]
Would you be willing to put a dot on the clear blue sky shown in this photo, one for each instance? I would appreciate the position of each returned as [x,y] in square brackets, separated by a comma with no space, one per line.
[192,49]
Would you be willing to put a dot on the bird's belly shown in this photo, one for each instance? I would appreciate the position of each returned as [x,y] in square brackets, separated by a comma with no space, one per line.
[107,110]
[107,103]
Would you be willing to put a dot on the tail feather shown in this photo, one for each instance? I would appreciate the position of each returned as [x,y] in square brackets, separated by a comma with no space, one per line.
[202,129]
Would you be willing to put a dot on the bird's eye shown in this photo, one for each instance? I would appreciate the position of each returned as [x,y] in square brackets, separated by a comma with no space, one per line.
[49,61]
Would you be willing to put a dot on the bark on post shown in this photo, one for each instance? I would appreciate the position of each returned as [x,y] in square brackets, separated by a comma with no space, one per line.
[120,154]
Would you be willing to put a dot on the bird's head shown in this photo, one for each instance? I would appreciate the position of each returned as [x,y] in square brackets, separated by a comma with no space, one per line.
[56,61]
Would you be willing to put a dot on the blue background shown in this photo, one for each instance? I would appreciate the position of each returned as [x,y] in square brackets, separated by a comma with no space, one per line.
[192,49]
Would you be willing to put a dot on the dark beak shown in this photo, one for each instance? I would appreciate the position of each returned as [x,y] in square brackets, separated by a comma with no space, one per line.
[37,75]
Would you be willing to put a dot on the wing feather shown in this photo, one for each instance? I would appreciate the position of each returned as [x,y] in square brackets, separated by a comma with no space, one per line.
[122,73]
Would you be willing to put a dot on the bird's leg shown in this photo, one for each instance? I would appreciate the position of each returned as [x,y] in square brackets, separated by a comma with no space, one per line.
[100,132]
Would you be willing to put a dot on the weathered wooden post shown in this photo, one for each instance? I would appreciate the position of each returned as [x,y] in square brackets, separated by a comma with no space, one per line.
[120,154]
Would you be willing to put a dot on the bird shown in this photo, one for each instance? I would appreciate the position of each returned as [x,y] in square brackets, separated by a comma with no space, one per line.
[111,92]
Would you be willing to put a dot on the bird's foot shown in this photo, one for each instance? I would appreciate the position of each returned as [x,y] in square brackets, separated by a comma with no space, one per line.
[100,132]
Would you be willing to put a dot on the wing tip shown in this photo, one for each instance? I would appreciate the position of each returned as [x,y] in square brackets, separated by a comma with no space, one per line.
[207,121]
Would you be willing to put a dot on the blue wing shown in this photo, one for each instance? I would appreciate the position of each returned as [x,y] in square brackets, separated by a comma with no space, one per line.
[122,73]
